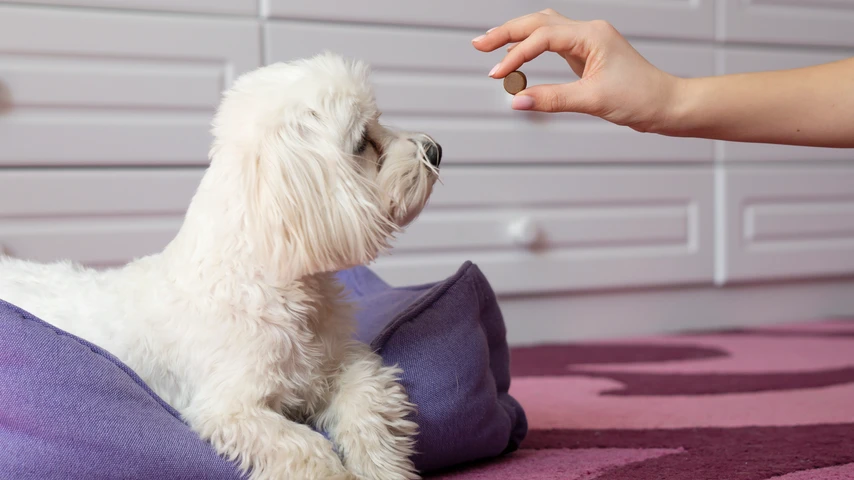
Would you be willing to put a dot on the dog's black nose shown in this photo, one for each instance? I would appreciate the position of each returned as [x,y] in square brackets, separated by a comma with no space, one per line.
[434,154]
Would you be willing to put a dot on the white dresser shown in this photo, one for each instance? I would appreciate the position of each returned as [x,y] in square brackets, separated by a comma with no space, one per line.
[584,229]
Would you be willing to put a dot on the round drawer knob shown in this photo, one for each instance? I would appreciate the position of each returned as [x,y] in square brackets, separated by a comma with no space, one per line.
[524,232]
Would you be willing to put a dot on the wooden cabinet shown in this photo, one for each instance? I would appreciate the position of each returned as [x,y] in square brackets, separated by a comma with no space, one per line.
[225,7]
[105,88]
[101,217]
[677,18]
[785,223]
[823,23]
[545,230]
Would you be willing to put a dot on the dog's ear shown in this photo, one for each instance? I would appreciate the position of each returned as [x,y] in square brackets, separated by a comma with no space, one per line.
[313,209]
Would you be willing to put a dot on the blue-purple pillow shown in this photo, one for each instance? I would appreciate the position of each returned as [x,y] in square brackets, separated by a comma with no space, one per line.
[450,340]
[69,409]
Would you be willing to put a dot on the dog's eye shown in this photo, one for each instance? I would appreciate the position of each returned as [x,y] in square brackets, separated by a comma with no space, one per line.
[363,145]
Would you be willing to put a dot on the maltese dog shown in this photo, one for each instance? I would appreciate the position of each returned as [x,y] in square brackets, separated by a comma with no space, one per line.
[239,323]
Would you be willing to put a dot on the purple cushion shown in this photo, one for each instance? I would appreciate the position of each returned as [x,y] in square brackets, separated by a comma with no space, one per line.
[69,409]
[449,338]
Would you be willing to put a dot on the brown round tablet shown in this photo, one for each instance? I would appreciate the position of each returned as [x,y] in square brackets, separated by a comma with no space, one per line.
[515,82]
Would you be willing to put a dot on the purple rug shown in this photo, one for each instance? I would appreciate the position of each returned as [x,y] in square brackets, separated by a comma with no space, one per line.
[773,403]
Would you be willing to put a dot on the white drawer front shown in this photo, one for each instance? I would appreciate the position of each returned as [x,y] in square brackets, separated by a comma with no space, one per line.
[531,230]
[562,229]
[114,89]
[98,217]
[235,7]
[745,60]
[823,22]
[787,223]
[100,242]
[680,18]
[434,81]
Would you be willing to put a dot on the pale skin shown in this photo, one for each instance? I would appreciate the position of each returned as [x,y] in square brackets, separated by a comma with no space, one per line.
[811,106]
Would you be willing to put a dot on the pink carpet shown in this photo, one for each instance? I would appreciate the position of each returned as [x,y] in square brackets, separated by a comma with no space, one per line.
[764,404]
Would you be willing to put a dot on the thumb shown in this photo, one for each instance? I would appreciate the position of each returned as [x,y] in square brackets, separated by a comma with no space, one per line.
[565,97]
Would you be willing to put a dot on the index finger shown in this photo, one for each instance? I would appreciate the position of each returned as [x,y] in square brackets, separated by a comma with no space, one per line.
[544,39]
[517,30]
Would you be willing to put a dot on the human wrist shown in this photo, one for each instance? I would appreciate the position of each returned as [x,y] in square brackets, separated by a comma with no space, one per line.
[677,108]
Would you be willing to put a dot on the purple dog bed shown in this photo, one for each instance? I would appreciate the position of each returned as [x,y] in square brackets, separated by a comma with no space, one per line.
[69,409]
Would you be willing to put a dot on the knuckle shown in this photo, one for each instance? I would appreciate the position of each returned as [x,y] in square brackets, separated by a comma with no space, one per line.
[554,38]
[543,32]
[554,102]
[549,11]
[601,26]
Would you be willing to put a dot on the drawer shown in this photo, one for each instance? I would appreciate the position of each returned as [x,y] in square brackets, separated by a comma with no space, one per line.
[681,18]
[538,230]
[744,60]
[822,22]
[530,229]
[786,222]
[234,7]
[98,217]
[434,81]
[115,89]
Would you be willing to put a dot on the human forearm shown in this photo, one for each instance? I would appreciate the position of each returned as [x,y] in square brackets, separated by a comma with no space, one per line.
[808,106]
[811,106]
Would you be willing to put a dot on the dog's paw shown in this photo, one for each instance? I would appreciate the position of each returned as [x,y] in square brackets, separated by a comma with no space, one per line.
[268,446]
[307,456]
[379,443]
[319,463]
[383,457]
[369,419]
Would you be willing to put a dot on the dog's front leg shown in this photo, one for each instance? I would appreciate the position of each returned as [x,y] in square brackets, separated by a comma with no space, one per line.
[265,443]
[367,418]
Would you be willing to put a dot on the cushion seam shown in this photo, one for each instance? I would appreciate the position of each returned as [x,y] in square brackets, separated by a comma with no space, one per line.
[417,308]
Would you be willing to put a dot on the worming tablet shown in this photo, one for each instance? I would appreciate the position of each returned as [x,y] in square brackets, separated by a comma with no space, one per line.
[515,82]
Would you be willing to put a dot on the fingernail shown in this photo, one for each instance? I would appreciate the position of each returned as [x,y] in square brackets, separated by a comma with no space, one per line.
[494,69]
[491,29]
[479,38]
[522,102]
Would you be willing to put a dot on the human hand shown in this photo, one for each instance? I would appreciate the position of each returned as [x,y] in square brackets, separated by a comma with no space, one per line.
[616,82]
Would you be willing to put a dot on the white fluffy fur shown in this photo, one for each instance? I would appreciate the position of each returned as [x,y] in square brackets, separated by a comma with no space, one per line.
[239,322]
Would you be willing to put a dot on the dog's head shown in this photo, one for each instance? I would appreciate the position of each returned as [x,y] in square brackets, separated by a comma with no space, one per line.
[326,185]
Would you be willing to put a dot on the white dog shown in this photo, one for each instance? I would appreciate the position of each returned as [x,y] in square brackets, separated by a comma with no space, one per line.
[239,323]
